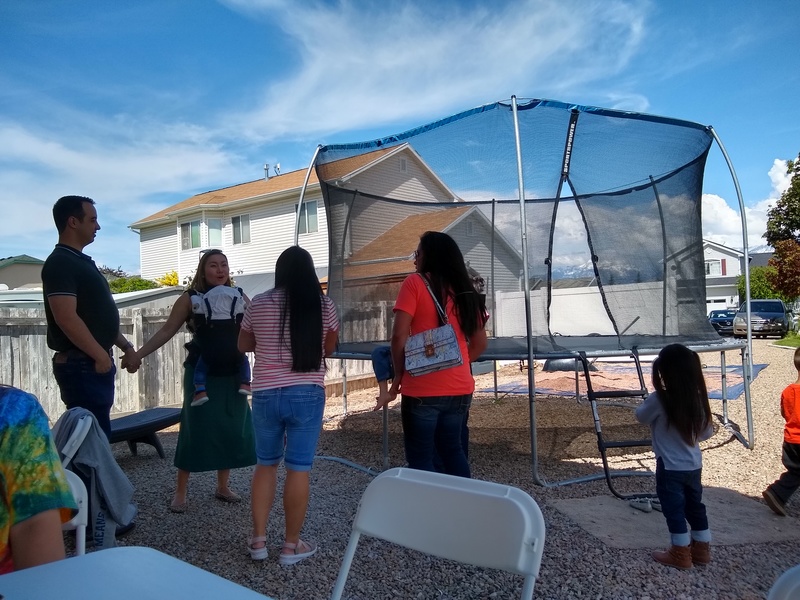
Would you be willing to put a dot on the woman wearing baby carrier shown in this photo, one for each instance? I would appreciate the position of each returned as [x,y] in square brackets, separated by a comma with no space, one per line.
[217,435]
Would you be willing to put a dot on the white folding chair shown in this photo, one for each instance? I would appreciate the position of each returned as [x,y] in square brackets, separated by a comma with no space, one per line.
[474,522]
[787,586]
[81,520]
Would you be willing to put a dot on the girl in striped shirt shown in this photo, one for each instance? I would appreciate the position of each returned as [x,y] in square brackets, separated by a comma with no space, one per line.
[291,328]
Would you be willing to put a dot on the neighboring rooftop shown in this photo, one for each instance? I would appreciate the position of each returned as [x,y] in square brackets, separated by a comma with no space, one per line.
[21,259]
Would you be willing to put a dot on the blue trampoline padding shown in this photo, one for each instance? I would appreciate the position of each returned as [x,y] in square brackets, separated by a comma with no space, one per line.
[733,392]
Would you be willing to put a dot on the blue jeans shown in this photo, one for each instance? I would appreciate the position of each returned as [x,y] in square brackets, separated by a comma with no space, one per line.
[434,424]
[82,386]
[287,422]
[201,373]
[681,496]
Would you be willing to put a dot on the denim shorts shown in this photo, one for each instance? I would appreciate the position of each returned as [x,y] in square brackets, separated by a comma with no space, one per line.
[382,363]
[287,423]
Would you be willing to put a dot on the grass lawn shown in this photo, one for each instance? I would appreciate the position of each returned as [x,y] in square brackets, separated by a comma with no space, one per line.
[792,340]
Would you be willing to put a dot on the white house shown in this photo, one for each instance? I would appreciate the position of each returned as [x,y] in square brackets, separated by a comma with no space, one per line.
[254,222]
[723,267]
[20,272]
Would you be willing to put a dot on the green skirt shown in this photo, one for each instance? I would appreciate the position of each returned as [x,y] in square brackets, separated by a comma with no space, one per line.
[218,434]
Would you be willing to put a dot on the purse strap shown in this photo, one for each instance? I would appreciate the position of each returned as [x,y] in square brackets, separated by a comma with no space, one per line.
[439,309]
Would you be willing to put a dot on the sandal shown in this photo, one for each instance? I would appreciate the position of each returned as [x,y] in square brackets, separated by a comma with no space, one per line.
[257,553]
[228,496]
[297,554]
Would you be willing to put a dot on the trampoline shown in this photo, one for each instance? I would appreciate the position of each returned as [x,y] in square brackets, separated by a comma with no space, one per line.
[581,224]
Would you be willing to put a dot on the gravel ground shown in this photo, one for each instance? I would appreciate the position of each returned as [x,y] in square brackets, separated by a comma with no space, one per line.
[212,534]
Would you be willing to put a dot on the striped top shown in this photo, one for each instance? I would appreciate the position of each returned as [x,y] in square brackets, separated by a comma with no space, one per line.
[273,365]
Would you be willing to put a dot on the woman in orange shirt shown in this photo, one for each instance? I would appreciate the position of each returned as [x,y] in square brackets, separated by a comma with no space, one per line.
[434,406]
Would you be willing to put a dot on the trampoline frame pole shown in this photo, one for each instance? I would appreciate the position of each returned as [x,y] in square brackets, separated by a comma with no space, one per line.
[748,363]
[303,195]
[528,326]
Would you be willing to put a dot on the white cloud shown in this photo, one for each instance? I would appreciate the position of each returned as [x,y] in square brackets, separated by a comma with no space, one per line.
[366,67]
[361,66]
[722,224]
[128,176]
[780,178]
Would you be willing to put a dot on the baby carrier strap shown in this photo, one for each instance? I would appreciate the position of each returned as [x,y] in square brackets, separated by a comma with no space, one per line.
[216,339]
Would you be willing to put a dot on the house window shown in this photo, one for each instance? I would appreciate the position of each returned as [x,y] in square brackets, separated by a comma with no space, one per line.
[190,235]
[241,229]
[214,233]
[714,267]
[403,165]
[308,217]
[470,228]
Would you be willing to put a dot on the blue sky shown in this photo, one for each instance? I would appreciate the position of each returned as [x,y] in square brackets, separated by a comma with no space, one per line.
[142,104]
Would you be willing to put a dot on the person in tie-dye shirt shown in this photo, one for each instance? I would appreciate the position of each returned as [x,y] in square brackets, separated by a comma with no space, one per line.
[35,498]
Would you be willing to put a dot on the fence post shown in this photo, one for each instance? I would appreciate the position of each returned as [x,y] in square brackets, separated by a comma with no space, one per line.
[137,321]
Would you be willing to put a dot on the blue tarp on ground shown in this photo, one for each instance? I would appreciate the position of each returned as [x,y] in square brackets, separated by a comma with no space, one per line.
[735,383]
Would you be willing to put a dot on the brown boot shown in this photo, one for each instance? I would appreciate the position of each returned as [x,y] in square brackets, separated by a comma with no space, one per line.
[701,555]
[679,557]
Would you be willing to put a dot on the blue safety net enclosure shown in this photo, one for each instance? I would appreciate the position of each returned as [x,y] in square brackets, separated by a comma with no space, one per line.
[591,215]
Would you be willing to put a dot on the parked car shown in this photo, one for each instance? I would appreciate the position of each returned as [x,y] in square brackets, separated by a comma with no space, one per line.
[722,320]
[767,317]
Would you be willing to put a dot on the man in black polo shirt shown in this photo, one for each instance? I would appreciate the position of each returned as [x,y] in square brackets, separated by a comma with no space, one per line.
[82,318]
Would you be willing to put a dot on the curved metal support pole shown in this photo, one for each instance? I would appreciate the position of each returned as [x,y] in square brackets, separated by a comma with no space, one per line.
[528,326]
[303,195]
[385,419]
[747,361]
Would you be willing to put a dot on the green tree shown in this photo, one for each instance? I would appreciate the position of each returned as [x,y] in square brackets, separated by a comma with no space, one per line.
[760,286]
[783,219]
[785,276]
[111,273]
[133,283]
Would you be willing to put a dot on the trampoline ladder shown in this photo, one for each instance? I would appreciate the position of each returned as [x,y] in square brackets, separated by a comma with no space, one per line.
[602,443]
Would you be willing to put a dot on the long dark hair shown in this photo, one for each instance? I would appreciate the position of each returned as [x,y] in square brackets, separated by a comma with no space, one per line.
[302,304]
[443,264]
[678,379]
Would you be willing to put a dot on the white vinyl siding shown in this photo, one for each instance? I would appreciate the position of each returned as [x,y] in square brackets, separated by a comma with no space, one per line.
[477,252]
[414,185]
[158,250]
[387,180]
[272,231]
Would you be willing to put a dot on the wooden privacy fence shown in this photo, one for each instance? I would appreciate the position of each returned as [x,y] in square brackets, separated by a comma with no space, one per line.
[26,361]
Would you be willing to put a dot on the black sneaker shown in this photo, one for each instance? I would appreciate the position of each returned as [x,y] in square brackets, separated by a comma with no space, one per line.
[774,502]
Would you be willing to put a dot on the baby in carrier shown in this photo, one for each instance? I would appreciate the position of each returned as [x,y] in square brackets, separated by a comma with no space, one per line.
[216,316]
